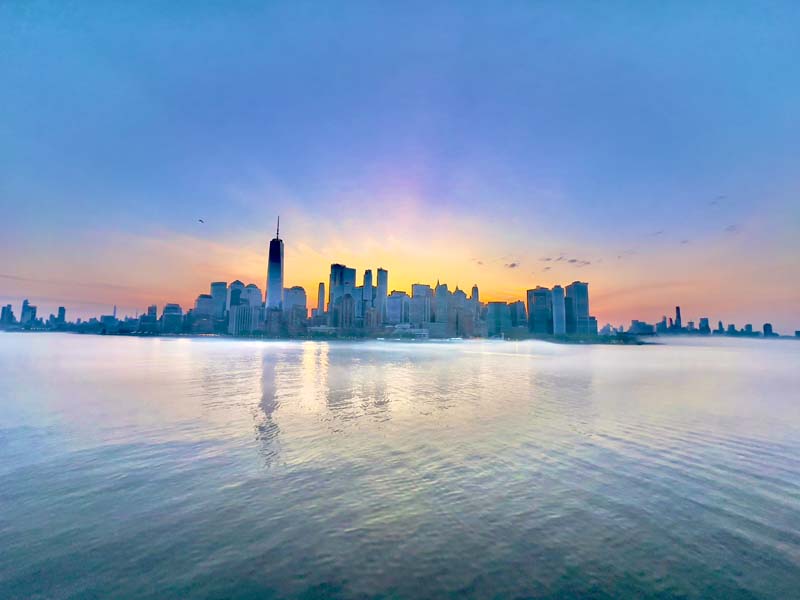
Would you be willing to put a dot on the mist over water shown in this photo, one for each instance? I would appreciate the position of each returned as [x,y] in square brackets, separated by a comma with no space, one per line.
[166,468]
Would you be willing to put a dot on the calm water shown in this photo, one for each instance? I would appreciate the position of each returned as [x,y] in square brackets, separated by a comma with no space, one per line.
[168,468]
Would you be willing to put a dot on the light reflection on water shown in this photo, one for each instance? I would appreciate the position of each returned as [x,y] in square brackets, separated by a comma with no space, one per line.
[171,467]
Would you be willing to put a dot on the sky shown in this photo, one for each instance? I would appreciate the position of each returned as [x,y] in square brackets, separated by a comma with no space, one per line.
[651,149]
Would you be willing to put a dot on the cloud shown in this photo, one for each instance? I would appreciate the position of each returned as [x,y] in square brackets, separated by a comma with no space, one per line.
[512,265]
[547,268]
[732,229]
[684,242]
[659,232]
[546,259]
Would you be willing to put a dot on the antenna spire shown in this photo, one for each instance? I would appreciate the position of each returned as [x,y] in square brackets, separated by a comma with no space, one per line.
[278,230]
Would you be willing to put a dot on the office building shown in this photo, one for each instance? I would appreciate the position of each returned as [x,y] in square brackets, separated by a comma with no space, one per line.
[498,319]
[235,291]
[381,292]
[253,295]
[420,305]
[275,271]
[321,299]
[204,305]
[578,291]
[294,300]
[171,318]
[559,311]
[219,298]
[397,308]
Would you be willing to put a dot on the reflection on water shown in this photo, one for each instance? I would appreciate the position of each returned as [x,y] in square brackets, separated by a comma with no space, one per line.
[169,468]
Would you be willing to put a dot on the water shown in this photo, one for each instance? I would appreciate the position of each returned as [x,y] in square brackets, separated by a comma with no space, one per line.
[169,468]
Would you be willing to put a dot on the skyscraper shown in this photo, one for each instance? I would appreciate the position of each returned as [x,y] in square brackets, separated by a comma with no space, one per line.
[235,291]
[578,291]
[321,298]
[420,305]
[381,293]
[219,298]
[559,311]
[253,295]
[275,271]
[294,296]
[540,313]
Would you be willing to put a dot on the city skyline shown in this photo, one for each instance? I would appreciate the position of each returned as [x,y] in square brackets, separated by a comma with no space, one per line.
[274,261]
[350,309]
[653,156]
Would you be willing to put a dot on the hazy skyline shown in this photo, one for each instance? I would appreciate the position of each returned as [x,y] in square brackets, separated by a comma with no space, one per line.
[654,150]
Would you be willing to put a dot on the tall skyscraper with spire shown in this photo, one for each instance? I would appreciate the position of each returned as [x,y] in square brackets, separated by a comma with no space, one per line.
[275,271]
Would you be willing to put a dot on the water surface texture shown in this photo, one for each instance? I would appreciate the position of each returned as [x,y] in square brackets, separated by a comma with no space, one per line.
[170,468]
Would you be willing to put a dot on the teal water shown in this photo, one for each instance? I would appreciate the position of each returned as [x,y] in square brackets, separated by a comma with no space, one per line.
[175,468]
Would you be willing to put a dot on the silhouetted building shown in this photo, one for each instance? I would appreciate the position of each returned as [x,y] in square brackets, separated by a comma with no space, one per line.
[204,305]
[519,315]
[397,307]
[540,311]
[28,313]
[235,290]
[253,295]
[381,293]
[498,319]
[171,318]
[559,311]
[420,305]
[321,299]
[768,330]
[219,298]
[275,271]
[641,328]
[579,292]
[295,298]
[245,319]
[7,315]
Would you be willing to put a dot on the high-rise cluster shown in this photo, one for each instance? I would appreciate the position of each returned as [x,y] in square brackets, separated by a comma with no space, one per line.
[369,309]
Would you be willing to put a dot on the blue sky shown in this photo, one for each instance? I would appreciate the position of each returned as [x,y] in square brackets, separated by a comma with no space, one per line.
[658,142]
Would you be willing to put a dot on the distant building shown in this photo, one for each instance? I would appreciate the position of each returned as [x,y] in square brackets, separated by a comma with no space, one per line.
[7,315]
[172,318]
[245,319]
[704,327]
[321,298]
[381,292]
[253,295]
[559,311]
[578,291]
[204,305]
[641,328]
[397,308]
[518,313]
[768,330]
[294,300]
[235,290]
[540,311]
[28,313]
[498,319]
[219,298]
[420,304]
[342,283]
[275,271]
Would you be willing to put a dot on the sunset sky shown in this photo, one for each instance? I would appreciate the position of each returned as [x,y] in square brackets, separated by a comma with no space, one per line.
[651,149]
